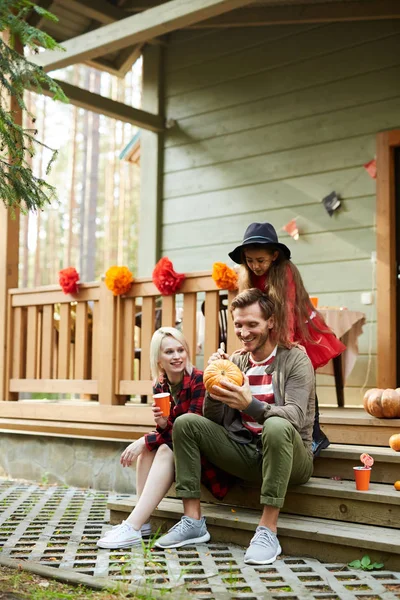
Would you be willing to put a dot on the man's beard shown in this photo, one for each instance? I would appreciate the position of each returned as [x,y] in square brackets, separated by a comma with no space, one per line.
[262,340]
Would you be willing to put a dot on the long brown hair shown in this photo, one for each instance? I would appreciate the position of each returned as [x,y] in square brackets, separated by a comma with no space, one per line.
[277,289]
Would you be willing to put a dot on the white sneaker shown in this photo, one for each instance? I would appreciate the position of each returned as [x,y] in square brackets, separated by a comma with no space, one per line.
[122,536]
[145,529]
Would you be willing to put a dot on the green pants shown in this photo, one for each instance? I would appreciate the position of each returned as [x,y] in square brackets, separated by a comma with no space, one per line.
[283,459]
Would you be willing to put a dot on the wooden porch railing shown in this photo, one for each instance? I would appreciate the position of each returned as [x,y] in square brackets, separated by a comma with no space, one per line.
[90,345]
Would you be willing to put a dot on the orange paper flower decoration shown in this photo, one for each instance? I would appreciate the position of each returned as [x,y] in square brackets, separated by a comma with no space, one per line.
[119,280]
[166,280]
[225,277]
[68,279]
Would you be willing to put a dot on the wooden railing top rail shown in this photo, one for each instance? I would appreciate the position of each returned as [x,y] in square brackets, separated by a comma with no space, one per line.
[141,287]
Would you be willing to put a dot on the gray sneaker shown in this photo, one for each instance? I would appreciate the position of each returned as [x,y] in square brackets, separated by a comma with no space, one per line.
[186,531]
[263,549]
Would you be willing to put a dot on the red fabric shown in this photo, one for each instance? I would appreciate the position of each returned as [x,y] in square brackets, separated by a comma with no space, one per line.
[190,399]
[322,347]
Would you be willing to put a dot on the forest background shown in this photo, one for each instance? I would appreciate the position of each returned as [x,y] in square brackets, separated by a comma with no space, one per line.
[94,223]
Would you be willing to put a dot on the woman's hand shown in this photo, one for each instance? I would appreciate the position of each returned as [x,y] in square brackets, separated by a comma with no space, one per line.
[158,416]
[132,452]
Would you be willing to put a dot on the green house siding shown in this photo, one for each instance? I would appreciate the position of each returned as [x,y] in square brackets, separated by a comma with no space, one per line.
[269,121]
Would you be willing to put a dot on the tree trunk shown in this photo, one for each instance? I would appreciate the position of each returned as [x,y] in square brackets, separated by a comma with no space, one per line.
[82,257]
[94,134]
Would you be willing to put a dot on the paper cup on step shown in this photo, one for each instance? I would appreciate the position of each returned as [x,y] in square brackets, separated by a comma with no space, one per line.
[362,476]
[163,401]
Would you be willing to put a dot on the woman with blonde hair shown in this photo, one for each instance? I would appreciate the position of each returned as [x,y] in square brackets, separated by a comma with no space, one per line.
[172,372]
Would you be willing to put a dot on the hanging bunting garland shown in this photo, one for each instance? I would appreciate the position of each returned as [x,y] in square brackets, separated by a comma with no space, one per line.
[331,203]
[224,277]
[292,229]
[119,280]
[68,279]
[370,167]
[166,280]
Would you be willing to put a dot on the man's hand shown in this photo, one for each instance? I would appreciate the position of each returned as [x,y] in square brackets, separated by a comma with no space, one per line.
[131,453]
[158,416]
[235,396]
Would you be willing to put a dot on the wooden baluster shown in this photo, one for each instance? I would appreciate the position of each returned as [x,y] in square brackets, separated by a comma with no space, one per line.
[81,341]
[107,346]
[211,330]
[17,347]
[31,346]
[47,341]
[64,341]
[189,322]
[232,342]
[168,311]
[128,339]
[95,341]
[148,315]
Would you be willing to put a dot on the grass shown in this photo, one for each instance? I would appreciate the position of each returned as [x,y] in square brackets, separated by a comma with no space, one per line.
[27,586]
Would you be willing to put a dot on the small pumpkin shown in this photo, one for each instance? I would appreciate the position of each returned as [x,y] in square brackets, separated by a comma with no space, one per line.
[221,369]
[397,485]
[394,442]
[382,404]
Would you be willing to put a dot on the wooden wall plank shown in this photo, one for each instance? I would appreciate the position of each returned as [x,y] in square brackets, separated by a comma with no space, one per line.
[310,42]
[47,341]
[333,66]
[81,341]
[54,386]
[95,340]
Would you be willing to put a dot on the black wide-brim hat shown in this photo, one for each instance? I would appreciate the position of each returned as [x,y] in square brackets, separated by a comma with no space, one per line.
[258,233]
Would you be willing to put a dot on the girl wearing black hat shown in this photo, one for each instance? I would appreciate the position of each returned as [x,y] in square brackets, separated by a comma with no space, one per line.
[265,264]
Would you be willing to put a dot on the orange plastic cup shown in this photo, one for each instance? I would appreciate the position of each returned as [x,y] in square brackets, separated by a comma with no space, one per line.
[362,476]
[163,401]
[314,301]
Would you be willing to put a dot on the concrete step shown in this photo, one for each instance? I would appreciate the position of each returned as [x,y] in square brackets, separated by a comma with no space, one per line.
[325,539]
[355,426]
[338,460]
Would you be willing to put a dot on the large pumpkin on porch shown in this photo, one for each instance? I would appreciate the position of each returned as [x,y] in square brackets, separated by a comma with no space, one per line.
[382,404]
[221,369]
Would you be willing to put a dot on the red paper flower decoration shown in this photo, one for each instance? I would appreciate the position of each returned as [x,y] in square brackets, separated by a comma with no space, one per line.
[166,280]
[119,280]
[68,279]
[225,277]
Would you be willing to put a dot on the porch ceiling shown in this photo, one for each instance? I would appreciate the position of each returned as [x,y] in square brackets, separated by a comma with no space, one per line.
[80,18]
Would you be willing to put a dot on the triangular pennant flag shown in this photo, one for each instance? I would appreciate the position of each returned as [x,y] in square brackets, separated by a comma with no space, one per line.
[370,167]
[292,229]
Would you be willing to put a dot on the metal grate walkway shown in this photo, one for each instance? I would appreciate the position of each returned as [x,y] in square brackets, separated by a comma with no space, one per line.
[59,527]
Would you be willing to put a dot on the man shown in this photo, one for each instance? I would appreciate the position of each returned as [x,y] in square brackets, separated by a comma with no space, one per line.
[261,431]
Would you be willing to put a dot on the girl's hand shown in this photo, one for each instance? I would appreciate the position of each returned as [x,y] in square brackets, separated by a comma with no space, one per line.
[160,421]
[132,452]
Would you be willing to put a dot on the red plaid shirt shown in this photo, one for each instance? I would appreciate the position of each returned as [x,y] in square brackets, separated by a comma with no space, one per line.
[190,400]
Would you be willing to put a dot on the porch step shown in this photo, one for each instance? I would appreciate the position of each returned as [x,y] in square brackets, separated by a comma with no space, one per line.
[324,539]
[338,460]
[355,426]
[321,498]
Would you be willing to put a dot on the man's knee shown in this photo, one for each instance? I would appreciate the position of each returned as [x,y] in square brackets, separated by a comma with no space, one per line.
[277,431]
[185,423]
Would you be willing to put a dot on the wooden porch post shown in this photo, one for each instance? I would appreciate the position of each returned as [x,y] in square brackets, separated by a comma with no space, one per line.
[9,257]
[386,275]
[151,164]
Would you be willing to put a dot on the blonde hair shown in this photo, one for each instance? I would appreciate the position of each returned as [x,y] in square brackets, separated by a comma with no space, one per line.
[155,349]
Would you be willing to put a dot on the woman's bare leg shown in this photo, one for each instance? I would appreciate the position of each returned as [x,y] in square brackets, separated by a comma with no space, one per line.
[143,466]
[159,479]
